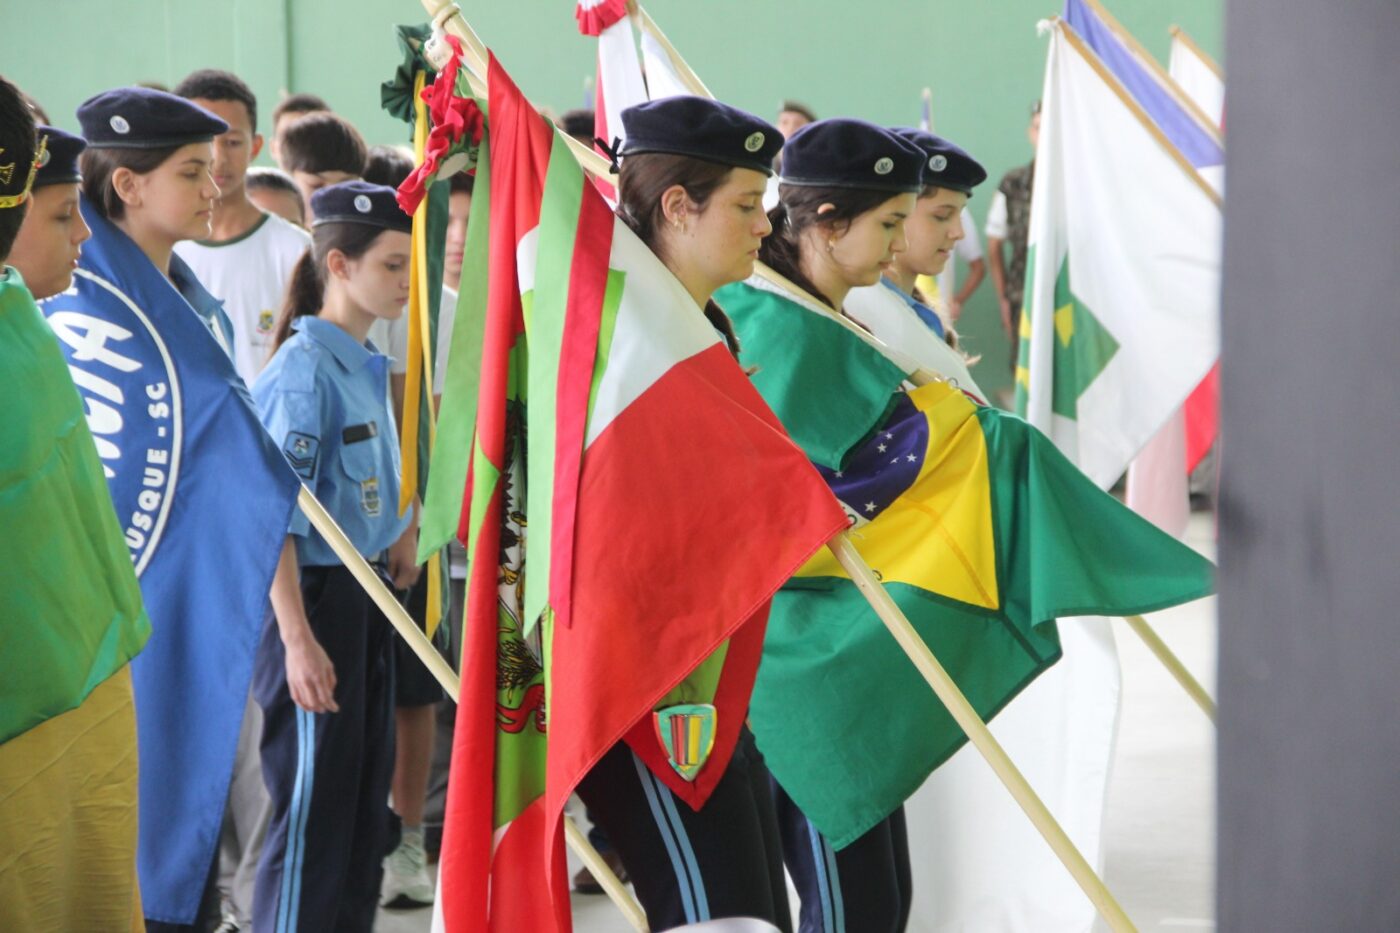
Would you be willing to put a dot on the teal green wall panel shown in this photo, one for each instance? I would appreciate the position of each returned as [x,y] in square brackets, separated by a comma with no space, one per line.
[982,58]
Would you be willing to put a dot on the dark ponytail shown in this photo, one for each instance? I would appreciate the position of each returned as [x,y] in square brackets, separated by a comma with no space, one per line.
[796,212]
[641,182]
[306,291]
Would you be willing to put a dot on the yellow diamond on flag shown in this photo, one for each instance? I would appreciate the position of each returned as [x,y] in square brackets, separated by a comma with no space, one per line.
[1064,323]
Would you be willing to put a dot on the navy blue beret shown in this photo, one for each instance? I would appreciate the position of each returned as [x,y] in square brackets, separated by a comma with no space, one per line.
[841,153]
[703,129]
[142,118]
[59,163]
[359,202]
[945,164]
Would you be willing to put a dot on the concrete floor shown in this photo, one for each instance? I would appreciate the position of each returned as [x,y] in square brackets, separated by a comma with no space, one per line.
[1160,828]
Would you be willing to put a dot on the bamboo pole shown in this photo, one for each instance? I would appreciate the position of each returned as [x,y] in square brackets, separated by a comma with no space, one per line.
[978,733]
[687,74]
[1185,38]
[399,618]
[1173,664]
[604,875]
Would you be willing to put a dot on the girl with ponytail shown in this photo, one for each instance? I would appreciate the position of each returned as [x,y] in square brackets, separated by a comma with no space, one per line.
[690,185]
[306,289]
[324,670]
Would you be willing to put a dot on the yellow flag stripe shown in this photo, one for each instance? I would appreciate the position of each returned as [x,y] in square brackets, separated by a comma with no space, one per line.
[413,378]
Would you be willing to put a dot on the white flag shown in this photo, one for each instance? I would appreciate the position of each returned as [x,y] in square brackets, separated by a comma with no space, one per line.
[1123,277]
[1198,75]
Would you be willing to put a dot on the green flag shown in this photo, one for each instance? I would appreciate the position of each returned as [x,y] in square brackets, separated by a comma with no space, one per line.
[70,607]
[981,532]
[799,355]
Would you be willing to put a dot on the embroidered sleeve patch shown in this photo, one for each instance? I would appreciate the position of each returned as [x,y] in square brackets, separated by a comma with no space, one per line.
[301,451]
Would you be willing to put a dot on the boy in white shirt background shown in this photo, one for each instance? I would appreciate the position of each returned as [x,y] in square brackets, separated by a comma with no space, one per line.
[248,258]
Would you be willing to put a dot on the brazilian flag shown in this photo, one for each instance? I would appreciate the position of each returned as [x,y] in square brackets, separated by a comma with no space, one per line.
[981,531]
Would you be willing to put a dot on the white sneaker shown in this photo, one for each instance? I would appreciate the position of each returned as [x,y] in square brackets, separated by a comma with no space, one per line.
[406,882]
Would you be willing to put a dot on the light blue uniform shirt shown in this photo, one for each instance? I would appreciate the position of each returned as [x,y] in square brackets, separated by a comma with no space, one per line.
[925,313]
[325,399]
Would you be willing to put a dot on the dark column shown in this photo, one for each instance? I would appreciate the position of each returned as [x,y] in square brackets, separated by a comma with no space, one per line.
[1309,764]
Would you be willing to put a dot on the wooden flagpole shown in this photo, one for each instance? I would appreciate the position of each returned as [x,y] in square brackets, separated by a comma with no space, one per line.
[399,618]
[1185,39]
[1173,664]
[977,732]
[687,74]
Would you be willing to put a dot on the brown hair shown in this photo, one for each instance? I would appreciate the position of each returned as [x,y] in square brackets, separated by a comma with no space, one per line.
[642,180]
[307,289]
[796,212]
[99,164]
[324,142]
[792,106]
[298,103]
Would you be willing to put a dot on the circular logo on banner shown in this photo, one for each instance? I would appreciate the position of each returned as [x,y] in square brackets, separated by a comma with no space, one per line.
[362,203]
[754,142]
[884,166]
[131,393]
[119,125]
[938,163]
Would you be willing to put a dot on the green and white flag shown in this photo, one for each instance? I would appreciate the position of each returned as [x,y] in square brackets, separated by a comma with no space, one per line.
[1121,317]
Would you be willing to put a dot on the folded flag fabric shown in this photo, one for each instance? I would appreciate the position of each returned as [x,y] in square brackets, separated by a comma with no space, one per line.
[203,497]
[60,640]
[981,531]
[633,506]
[68,791]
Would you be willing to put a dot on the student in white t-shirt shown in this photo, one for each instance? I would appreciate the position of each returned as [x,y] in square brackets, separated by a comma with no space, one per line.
[248,258]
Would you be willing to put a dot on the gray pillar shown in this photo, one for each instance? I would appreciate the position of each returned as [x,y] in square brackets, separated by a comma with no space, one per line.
[1309,764]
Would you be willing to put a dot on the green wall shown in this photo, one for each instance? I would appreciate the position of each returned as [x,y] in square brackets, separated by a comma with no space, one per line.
[866,58]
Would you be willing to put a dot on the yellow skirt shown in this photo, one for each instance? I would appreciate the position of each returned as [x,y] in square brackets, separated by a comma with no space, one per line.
[68,819]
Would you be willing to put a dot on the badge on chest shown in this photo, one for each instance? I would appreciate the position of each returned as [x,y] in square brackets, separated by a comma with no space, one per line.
[369,496]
